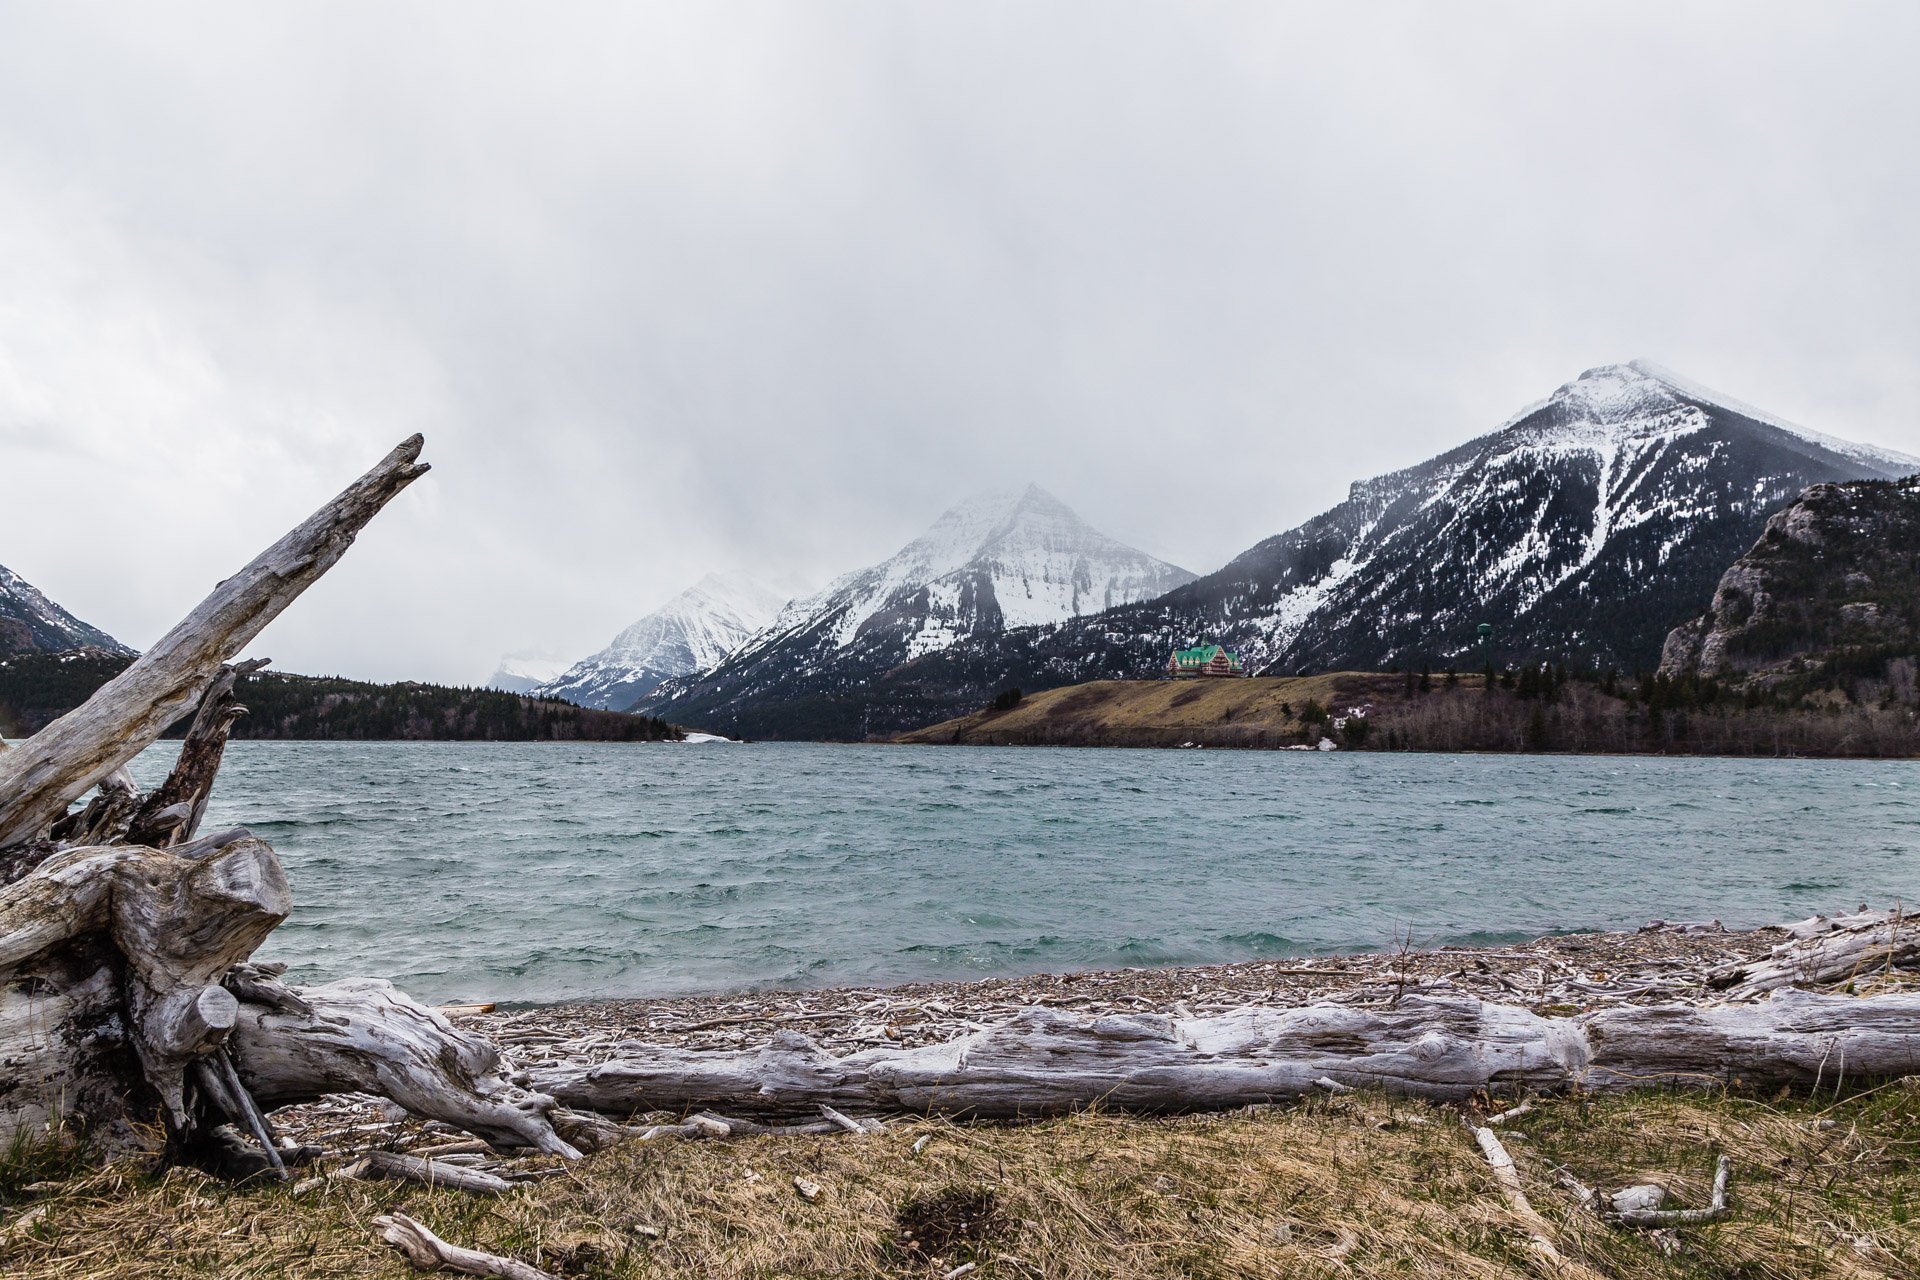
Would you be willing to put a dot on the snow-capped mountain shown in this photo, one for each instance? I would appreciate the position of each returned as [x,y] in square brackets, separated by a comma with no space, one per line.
[689,634]
[28,620]
[1585,527]
[525,671]
[998,560]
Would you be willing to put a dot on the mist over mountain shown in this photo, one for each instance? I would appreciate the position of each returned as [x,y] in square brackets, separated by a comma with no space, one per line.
[524,672]
[28,620]
[688,635]
[997,560]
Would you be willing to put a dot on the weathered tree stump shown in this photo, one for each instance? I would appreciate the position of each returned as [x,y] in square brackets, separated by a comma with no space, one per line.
[125,998]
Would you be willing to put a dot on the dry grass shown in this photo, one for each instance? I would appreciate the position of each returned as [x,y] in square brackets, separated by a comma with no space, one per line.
[1353,1187]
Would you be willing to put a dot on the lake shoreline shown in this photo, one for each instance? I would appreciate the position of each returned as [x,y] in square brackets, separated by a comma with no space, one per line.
[1438,714]
[1559,973]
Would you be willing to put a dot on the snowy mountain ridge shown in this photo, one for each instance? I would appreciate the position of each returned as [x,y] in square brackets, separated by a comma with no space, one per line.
[1001,558]
[1587,498]
[28,620]
[997,560]
[689,634]
[1871,454]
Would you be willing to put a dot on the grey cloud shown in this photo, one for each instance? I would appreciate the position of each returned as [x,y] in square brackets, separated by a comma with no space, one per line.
[765,287]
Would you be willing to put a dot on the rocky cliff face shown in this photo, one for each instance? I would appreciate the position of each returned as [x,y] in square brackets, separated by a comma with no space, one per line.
[1836,575]
[28,620]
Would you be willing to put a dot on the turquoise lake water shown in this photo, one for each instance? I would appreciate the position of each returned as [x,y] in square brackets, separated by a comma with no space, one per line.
[537,872]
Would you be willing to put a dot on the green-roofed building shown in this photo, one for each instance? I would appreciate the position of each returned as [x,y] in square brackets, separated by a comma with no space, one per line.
[1204,660]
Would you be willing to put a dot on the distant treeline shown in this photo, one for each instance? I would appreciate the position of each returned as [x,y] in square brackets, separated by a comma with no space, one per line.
[1551,709]
[36,688]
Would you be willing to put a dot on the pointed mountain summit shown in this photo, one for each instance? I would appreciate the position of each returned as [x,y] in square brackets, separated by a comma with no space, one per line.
[997,560]
[688,635]
[28,620]
[1586,526]
[526,671]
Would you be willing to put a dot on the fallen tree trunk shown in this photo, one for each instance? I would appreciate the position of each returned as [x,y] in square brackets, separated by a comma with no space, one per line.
[362,1035]
[1047,1061]
[1853,947]
[41,776]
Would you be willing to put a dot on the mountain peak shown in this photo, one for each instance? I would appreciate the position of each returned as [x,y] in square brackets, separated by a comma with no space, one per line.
[1612,389]
[998,559]
[688,634]
[1028,550]
[1641,398]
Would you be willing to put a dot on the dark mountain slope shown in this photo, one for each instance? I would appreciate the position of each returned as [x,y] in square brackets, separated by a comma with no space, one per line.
[28,620]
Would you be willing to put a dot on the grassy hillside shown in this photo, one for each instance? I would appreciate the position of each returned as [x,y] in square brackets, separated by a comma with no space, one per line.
[37,688]
[1263,711]
[1527,711]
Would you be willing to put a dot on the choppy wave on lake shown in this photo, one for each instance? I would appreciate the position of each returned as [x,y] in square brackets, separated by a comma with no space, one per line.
[540,871]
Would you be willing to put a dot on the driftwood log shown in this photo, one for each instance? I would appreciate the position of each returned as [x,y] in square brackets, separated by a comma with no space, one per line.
[362,1035]
[1047,1060]
[46,773]
[1845,949]
[125,993]
[428,1252]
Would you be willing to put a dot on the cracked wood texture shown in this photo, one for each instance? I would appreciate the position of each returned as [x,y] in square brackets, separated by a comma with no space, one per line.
[1046,1060]
[361,1035]
[190,782]
[1852,947]
[113,960]
[40,777]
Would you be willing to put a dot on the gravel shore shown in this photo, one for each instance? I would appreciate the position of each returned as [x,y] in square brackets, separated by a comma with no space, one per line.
[1562,974]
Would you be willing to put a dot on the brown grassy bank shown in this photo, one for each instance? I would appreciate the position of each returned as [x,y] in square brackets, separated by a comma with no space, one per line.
[1466,715]
[1359,1186]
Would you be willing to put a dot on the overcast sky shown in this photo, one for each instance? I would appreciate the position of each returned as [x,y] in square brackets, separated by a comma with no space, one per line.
[765,288]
